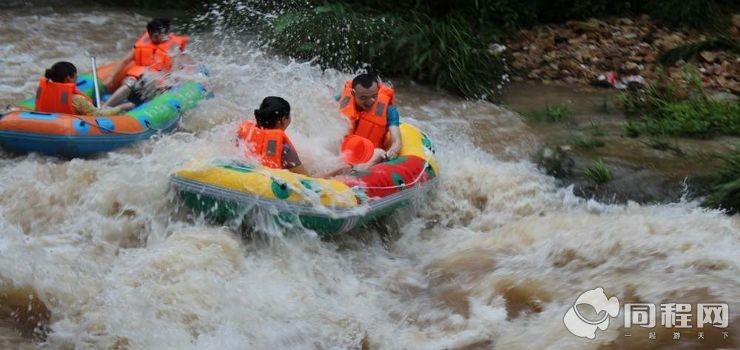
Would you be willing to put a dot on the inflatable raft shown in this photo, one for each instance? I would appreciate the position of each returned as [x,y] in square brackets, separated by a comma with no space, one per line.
[234,191]
[68,135]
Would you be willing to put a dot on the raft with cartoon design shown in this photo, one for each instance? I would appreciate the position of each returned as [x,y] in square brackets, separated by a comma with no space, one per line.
[235,191]
[68,135]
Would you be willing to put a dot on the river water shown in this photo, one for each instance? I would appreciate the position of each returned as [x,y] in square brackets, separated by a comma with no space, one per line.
[94,253]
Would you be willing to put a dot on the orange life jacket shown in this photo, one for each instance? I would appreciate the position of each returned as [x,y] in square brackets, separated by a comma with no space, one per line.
[155,57]
[267,144]
[54,97]
[371,124]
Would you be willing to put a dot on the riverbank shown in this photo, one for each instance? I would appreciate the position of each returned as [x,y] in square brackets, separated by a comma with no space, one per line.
[664,140]
[644,170]
[579,52]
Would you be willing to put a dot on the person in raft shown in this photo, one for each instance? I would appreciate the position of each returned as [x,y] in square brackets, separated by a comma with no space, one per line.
[58,93]
[368,105]
[268,141]
[153,52]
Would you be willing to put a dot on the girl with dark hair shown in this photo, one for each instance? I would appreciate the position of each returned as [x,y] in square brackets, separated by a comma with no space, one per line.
[58,93]
[268,141]
[267,137]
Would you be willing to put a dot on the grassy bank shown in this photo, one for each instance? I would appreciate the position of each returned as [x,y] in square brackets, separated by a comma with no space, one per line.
[725,190]
[684,109]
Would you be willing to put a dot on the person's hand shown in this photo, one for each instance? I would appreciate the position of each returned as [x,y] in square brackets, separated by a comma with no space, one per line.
[382,153]
[390,155]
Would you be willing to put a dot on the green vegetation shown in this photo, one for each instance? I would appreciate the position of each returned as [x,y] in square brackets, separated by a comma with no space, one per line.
[334,35]
[597,131]
[598,173]
[660,144]
[586,142]
[552,113]
[680,110]
[557,112]
[438,52]
[725,189]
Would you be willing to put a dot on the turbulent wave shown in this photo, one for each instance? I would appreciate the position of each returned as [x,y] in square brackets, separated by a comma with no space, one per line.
[98,255]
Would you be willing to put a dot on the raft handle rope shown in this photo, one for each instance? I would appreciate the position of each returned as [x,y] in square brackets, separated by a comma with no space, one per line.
[110,131]
[412,183]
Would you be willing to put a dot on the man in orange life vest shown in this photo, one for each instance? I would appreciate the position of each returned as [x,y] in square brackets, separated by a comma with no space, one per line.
[152,53]
[368,104]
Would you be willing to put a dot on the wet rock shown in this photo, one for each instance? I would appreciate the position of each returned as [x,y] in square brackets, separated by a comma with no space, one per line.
[630,36]
[631,67]
[589,26]
[629,183]
[555,161]
[724,96]
[708,56]
[670,41]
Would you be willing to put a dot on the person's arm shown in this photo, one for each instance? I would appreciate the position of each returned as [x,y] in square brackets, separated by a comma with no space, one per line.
[291,161]
[83,106]
[394,120]
[299,169]
[116,71]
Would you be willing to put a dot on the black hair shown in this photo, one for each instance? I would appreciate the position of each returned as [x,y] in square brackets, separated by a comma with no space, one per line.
[158,25]
[366,80]
[271,111]
[60,71]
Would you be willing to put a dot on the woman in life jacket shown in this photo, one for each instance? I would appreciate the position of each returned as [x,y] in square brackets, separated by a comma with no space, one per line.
[152,53]
[57,93]
[266,139]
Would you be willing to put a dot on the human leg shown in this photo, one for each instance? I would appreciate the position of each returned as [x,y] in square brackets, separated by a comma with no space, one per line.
[123,92]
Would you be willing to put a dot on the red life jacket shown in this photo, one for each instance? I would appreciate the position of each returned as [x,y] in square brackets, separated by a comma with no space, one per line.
[371,124]
[155,57]
[54,97]
[267,144]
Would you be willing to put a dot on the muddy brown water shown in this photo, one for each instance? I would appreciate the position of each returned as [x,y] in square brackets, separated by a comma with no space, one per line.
[493,259]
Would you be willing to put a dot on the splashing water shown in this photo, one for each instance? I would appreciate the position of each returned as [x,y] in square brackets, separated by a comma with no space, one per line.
[96,252]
